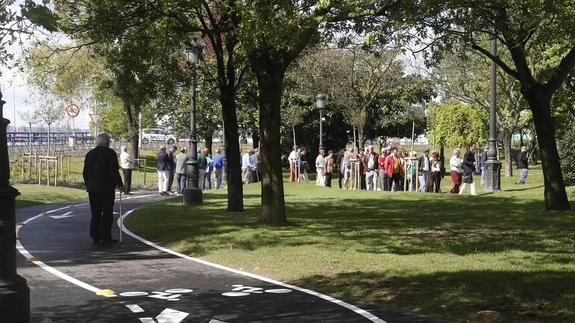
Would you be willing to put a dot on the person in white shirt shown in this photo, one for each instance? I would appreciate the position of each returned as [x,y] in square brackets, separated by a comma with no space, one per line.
[247,167]
[293,164]
[456,170]
[127,164]
[319,168]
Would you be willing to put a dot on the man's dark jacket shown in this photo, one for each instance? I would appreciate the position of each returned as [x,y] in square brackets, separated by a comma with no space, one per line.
[163,161]
[101,170]
[522,160]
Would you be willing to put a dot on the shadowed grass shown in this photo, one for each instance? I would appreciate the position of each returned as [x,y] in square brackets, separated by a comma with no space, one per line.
[492,257]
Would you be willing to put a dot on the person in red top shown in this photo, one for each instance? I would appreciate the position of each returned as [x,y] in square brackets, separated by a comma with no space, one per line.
[384,180]
[394,169]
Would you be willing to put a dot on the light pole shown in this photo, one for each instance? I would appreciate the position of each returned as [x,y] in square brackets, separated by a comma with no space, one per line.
[14,293]
[320,100]
[492,165]
[193,193]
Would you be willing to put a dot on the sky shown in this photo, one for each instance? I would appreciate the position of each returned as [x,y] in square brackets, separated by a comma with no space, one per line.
[17,93]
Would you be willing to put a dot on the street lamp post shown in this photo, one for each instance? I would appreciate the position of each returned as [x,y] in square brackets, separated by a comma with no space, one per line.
[320,100]
[14,293]
[193,193]
[492,165]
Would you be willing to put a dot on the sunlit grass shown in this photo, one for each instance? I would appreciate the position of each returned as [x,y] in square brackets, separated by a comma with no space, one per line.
[494,256]
[31,194]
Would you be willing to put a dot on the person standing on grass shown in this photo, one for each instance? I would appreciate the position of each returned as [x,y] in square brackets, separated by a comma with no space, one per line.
[181,160]
[369,162]
[127,164]
[218,167]
[319,168]
[435,173]
[303,165]
[424,167]
[247,167]
[171,167]
[394,169]
[162,161]
[522,164]
[202,164]
[384,179]
[293,164]
[329,165]
[338,163]
[468,167]
[456,168]
[102,177]
[209,169]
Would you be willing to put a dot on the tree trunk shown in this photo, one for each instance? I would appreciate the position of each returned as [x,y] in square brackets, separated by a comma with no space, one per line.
[209,141]
[507,147]
[270,81]
[232,143]
[293,132]
[131,117]
[255,138]
[540,103]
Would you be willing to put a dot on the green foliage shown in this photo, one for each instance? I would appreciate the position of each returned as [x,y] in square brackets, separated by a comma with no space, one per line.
[567,154]
[457,124]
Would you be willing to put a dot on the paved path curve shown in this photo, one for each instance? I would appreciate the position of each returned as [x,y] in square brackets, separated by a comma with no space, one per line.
[73,280]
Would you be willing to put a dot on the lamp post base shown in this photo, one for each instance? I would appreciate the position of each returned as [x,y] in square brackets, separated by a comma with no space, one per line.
[193,196]
[14,293]
[492,177]
[14,300]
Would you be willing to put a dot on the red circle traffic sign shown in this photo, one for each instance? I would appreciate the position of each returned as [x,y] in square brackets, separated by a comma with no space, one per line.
[73,110]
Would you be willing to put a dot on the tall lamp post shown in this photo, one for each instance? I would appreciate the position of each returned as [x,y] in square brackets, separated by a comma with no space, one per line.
[320,100]
[14,293]
[193,193]
[492,165]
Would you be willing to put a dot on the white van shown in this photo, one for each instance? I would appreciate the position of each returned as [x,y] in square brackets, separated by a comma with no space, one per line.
[157,135]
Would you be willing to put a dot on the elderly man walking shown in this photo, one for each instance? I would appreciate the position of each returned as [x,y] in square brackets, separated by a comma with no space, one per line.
[102,177]
[127,164]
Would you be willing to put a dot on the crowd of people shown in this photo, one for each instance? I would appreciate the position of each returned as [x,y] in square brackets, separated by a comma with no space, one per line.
[393,169]
[171,163]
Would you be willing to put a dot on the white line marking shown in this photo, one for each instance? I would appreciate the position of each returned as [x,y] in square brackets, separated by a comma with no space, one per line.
[49,269]
[63,216]
[353,308]
[147,320]
[135,308]
[133,294]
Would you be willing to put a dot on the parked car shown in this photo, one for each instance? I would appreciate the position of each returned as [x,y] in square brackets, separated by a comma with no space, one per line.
[157,135]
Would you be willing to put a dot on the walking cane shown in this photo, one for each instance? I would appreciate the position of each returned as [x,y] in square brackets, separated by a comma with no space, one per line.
[121,220]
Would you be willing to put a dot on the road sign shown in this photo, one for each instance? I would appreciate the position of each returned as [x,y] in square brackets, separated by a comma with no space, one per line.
[73,110]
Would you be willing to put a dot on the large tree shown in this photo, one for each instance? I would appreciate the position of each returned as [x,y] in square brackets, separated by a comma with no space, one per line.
[273,35]
[530,31]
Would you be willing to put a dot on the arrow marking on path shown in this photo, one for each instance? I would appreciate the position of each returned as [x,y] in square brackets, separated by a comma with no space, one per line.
[171,316]
[63,216]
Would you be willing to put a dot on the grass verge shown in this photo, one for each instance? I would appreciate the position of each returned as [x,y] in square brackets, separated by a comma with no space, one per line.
[492,257]
[32,194]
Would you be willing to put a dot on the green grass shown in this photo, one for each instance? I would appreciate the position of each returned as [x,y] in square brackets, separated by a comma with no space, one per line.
[492,257]
[32,194]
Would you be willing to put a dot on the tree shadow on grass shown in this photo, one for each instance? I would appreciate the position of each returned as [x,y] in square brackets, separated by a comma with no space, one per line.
[407,225]
[477,296]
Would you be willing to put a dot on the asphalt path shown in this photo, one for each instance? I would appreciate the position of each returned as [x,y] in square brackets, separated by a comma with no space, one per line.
[73,280]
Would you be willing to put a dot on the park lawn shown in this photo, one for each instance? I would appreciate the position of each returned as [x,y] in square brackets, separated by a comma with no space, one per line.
[32,194]
[492,257]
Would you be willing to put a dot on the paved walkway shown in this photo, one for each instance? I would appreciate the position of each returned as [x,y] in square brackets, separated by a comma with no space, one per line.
[73,280]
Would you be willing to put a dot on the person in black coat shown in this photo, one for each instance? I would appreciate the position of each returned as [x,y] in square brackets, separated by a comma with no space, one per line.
[102,177]
[468,168]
